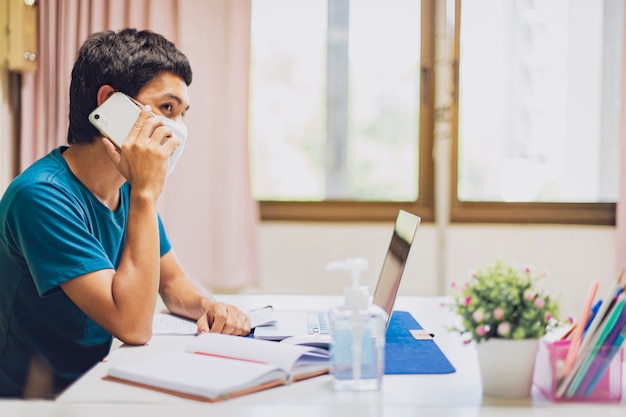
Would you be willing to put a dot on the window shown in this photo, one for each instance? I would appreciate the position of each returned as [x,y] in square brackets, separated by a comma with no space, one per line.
[537,116]
[341,108]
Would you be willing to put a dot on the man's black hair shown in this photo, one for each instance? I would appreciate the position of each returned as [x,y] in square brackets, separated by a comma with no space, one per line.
[126,60]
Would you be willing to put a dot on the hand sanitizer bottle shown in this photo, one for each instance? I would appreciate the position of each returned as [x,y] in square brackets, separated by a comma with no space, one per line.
[357,350]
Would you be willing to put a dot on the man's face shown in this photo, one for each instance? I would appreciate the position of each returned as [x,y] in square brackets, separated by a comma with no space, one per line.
[167,95]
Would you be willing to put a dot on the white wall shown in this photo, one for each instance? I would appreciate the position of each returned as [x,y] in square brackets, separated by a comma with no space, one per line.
[293,256]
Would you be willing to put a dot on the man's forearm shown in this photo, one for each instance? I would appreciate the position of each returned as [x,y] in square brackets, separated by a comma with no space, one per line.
[135,284]
[186,298]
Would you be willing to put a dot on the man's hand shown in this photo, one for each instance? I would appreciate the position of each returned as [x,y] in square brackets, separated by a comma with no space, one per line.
[145,153]
[224,318]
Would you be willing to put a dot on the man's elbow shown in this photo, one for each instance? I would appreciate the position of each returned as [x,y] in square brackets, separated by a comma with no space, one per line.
[135,336]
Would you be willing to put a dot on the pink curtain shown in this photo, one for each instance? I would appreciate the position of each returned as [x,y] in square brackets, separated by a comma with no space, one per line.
[207,207]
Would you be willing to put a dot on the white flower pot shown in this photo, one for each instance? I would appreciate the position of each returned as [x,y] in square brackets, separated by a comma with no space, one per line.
[506,366]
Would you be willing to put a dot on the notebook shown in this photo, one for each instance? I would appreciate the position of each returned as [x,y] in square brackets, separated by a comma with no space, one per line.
[291,323]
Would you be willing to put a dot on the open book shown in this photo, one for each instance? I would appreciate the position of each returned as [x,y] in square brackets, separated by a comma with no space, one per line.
[214,367]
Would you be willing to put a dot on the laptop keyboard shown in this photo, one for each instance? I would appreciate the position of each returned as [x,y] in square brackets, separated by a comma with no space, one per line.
[317,322]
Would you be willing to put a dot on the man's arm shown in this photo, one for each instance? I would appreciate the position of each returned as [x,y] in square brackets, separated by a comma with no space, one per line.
[187,298]
[123,301]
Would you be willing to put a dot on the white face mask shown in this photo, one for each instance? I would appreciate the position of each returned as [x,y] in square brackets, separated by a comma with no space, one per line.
[179,130]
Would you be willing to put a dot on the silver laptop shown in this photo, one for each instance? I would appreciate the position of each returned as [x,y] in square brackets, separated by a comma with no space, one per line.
[302,322]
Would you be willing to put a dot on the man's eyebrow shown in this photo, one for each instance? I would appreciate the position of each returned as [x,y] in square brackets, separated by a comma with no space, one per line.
[176,98]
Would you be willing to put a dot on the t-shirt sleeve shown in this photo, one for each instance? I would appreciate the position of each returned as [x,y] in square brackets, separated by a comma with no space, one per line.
[164,243]
[53,233]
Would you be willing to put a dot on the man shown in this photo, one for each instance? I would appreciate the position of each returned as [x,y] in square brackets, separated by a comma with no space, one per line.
[83,253]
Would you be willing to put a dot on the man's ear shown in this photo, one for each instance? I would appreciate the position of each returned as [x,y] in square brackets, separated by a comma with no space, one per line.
[104,92]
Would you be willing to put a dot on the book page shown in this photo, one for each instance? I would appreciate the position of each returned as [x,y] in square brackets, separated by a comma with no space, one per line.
[285,357]
[197,375]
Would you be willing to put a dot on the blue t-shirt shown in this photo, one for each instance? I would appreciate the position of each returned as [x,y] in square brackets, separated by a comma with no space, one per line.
[53,229]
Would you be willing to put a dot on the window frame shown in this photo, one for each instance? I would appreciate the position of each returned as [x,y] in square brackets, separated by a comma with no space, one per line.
[346,211]
[511,212]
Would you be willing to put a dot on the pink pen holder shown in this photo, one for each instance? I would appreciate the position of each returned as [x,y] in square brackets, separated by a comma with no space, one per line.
[608,375]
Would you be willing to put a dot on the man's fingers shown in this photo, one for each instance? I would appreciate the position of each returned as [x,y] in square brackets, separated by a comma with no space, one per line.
[203,324]
[244,325]
[140,123]
[225,319]
[219,315]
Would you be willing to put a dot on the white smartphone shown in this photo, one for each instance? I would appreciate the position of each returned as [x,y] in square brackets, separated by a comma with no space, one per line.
[115,117]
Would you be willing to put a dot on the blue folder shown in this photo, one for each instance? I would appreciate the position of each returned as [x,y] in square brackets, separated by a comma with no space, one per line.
[406,355]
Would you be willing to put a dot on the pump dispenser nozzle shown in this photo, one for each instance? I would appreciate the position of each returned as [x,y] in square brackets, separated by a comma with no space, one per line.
[356,296]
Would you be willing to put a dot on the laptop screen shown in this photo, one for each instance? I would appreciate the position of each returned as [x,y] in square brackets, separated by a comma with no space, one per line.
[403,234]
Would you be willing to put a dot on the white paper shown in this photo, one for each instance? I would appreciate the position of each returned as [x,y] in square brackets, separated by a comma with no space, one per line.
[261,316]
[168,324]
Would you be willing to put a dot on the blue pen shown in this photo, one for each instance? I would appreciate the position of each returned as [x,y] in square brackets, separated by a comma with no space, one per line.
[594,311]
[596,307]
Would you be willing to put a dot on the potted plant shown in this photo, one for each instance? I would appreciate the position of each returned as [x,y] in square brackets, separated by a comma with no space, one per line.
[503,310]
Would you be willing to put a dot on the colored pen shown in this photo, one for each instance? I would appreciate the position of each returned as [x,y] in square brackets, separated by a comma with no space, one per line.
[614,349]
[597,342]
[594,311]
[578,331]
[603,355]
[566,381]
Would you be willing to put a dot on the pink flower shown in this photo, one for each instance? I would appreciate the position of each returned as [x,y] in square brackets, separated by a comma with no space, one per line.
[527,270]
[547,317]
[539,302]
[467,301]
[529,295]
[498,313]
[478,316]
[453,284]
[481,331]
[504,328]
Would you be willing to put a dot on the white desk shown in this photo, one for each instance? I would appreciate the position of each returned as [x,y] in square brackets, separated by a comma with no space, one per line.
[456,394]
